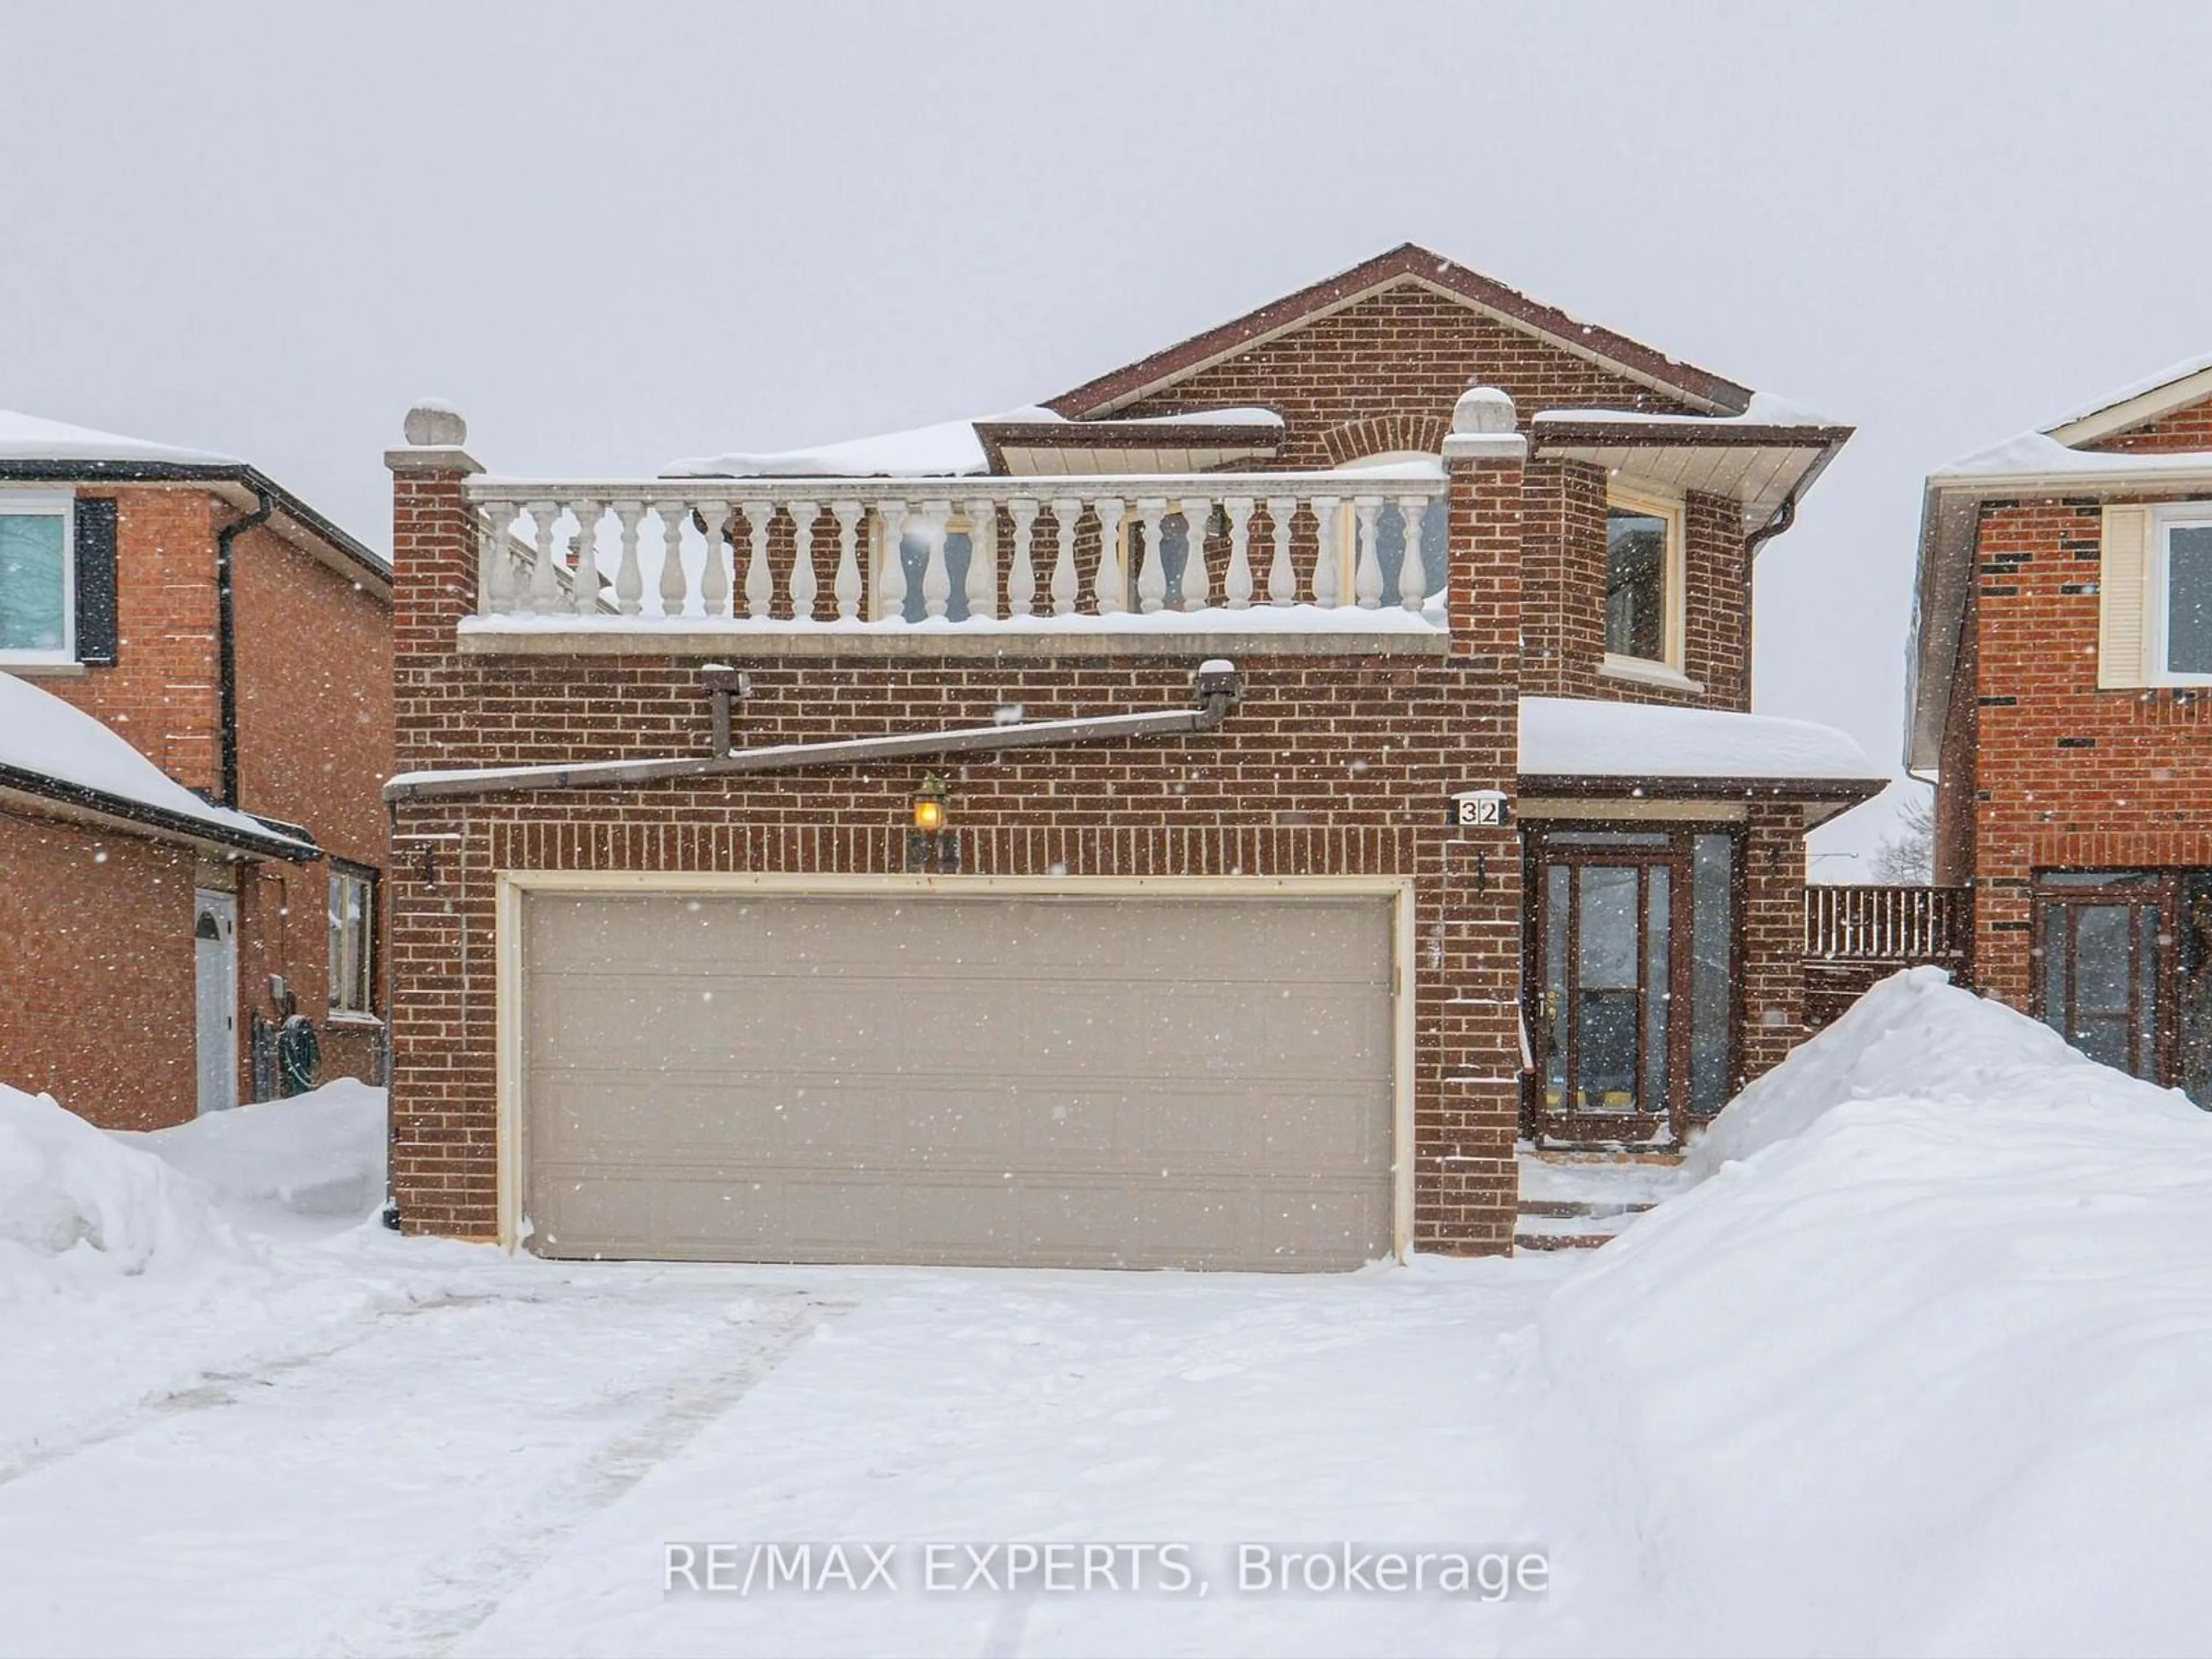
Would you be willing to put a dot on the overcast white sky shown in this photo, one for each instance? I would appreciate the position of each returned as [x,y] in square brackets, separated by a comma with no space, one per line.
[620,234]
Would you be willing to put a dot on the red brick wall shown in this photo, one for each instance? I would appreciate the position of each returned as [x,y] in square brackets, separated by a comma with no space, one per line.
[1773,999]
[315,721]
[2067,774]
[2187,428]
[314,747]
[161,692]
[97,972]
[1563,565]
[1388,370]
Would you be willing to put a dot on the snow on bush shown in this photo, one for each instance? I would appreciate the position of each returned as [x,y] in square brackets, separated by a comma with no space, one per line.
[75,1199]
[1919,1367]
[318,1154]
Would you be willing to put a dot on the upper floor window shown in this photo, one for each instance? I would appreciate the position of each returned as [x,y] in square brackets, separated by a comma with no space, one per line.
[2181,582]
[37,579]
[1643,580]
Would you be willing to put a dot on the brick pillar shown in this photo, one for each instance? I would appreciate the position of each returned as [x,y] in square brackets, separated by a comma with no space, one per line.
[444,1123]
[1467,1105]
[1773,935]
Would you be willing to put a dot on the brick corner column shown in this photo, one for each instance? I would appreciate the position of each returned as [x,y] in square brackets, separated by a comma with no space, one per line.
[1466,1118]
[443,1117]
[1773,930]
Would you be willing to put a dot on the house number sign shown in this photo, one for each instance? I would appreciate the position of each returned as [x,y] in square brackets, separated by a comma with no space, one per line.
[1480,808]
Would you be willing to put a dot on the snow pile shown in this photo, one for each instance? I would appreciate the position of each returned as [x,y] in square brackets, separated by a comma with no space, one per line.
[1923,1371]
[77,1205]
[320,1154]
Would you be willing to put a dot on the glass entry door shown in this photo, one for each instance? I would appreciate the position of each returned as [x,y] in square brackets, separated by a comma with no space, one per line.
[1633,1006]
[1607,970]
[2124,970]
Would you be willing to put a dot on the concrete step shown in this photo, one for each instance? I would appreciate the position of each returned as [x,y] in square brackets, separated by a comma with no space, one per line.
[1561,1241]
[1595,1209]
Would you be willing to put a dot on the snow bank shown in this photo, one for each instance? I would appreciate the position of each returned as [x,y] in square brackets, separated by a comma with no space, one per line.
[1919,1367]
[319,1154]
[77,1205]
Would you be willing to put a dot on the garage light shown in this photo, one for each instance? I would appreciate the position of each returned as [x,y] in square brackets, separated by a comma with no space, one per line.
[929,805]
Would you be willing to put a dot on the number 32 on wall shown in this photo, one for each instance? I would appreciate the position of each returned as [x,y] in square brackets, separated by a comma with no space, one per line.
[1480,808]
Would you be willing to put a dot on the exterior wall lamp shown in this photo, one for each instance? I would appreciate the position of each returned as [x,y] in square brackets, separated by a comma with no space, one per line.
[930,847]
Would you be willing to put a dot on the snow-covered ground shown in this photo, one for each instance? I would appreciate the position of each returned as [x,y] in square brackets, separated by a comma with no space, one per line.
[1916,1365]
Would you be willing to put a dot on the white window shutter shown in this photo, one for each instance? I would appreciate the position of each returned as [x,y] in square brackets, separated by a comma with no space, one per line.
[2124,592]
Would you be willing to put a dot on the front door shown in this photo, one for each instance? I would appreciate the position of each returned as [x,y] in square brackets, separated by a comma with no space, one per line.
[1608,965]
[215,946]
[2124,970]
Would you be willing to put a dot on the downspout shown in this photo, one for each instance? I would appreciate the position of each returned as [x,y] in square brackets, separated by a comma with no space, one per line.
[1217,688]
[1784,516]
[226,646]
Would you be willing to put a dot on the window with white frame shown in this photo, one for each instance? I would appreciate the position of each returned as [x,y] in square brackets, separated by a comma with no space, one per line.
[353,940]
[37,579]
[2181,594]
[1643,580]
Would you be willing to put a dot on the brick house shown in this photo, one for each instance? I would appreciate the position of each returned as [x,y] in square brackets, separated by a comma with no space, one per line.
[195,723]
[2061,700]
[1206,819]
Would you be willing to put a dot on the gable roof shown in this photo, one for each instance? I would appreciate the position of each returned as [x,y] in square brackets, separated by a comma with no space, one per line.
[1408,263]
[32,447]
[2048,460]
[2175,386]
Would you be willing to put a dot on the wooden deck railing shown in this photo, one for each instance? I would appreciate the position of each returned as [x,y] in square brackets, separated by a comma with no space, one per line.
[1895,925]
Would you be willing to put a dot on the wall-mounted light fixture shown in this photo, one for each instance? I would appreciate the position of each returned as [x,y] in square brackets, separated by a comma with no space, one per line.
[930,845]
[929,805]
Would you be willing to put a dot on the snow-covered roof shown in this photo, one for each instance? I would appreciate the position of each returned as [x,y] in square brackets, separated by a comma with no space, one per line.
[32,438]
[43,738]
[1571,737]
[2032,455]
[2172,375]
[948,449]
[1764,409]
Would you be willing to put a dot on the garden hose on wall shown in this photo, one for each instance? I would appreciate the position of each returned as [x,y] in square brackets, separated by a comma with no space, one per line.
[299,1055]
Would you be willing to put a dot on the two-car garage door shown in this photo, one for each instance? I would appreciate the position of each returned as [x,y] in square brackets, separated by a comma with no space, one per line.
[937,1076]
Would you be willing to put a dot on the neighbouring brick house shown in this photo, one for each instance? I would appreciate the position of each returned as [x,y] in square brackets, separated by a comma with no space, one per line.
[195,724]
[1203,820]
[2062,698]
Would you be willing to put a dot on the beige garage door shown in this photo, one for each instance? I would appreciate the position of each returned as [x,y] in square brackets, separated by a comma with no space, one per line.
[1141,1082]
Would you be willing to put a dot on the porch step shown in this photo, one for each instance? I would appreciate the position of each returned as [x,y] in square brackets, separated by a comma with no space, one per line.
[1596,1211]
[1561,1241]
[1573,1225]
[1581,1199]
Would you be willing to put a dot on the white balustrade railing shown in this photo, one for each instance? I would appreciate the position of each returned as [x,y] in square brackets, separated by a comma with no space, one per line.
[952,550]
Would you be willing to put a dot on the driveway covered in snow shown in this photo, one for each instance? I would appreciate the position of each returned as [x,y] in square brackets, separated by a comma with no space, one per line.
[1914,1362]
[492,1456]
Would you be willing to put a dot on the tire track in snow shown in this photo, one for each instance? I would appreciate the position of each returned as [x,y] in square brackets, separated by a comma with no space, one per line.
[209,1389]
[475,1583]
